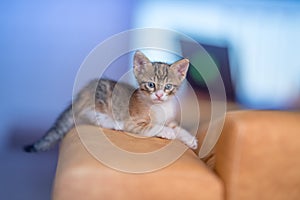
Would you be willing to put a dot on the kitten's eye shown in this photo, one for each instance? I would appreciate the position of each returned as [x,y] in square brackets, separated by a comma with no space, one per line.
[151,85]
[168,86]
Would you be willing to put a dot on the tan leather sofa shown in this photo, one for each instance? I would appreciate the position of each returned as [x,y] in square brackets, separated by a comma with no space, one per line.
[256,157]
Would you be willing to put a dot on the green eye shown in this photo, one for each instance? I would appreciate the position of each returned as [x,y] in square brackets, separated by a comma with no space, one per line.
[151,85]
[168,86]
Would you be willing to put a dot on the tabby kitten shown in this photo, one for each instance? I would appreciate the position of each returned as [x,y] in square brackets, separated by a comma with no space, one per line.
[149,110]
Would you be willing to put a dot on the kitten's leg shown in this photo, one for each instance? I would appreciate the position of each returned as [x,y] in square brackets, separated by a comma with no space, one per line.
[144,128]
[160,131]
[186,137]
[105,121]
[183,135]
[172,131]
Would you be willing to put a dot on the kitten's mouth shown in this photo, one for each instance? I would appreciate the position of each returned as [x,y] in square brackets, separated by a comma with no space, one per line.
[158,100]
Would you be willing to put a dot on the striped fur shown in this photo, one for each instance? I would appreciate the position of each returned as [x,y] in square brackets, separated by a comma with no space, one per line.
[148,110]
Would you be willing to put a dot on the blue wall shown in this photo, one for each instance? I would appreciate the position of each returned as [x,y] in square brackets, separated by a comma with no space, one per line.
[43,44]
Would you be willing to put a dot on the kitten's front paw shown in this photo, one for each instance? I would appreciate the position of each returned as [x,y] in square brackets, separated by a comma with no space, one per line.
[192,143]
[187,138]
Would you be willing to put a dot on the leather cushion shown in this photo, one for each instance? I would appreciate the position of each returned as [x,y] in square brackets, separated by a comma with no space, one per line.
[80,176]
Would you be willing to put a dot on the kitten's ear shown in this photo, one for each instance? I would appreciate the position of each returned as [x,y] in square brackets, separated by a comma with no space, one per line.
[181,67]
[139,61]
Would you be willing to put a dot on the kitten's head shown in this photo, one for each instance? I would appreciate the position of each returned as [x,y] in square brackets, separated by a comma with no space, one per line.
[159,81]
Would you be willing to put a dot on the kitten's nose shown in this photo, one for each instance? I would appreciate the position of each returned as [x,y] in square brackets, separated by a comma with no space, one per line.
[159,94]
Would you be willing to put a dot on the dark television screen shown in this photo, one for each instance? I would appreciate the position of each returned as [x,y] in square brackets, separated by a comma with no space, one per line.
[219,56]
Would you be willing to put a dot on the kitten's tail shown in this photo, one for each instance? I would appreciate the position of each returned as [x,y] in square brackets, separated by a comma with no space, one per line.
[60,128]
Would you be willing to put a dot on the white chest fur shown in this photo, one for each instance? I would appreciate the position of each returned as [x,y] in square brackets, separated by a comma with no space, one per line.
[163,113]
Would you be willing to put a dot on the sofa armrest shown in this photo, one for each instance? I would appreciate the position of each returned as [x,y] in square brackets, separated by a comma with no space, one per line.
[80,176]
[258,155]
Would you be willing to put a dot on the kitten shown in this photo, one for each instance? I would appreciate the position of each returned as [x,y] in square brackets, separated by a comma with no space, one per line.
[148,111]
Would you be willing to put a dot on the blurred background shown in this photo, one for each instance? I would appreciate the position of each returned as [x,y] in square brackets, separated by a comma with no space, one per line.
[255,45]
